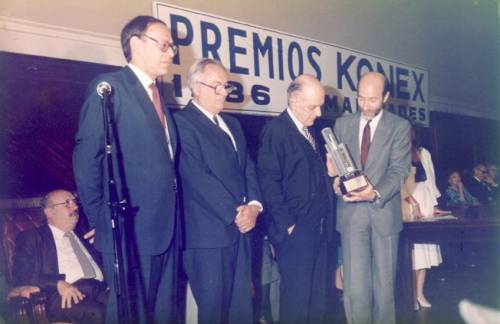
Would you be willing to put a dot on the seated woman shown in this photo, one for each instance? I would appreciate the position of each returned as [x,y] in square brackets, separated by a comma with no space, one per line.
[419,200]
[456,193]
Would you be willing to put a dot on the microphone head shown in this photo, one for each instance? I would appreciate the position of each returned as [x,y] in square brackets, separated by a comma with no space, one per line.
[103,89]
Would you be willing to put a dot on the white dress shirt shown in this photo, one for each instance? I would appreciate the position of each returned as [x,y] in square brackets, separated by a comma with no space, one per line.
[146,81]
[297,123]
[222,124]
[373,127]
[226,130]
[66,258]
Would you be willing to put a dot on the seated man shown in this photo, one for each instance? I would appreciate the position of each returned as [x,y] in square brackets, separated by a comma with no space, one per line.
[64,266]
[478,186]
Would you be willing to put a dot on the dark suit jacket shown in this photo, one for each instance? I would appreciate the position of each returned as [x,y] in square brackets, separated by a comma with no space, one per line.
[35,260]
[480,190]
[387,166]
[292,176]
[215,179]
[144,171]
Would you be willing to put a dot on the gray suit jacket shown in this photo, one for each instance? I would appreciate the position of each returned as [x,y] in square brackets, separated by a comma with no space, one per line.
[387,167]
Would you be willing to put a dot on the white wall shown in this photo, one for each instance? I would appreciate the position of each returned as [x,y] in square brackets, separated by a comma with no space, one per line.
[458,41]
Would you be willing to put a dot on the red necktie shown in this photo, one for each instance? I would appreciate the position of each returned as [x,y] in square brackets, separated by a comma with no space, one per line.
[365,144]
[157,103]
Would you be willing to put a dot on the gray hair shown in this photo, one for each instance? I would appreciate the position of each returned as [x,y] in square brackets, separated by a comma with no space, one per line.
[196,70]
[295,86]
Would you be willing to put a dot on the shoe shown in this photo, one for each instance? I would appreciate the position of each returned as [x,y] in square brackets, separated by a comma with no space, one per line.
[416,307]
[423,302]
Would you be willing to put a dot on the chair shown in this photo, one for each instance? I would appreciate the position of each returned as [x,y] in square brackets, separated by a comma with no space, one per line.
[16,216]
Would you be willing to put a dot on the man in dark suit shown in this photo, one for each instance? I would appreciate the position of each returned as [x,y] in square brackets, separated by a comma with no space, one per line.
[479,187]
[221,199]
[298,196]
[369,220]
[144,149]
[55,258]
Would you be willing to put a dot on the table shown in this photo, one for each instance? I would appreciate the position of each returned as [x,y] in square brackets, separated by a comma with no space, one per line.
[482,227]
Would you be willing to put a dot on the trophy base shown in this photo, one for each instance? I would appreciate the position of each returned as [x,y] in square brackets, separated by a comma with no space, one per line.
[355,181]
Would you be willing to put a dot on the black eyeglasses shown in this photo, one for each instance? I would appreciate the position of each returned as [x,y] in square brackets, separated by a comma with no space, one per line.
[67,203]
[164,47]
[220,88]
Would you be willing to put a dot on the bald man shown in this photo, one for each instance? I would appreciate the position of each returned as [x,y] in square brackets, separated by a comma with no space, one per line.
[298,196]
[369,221]
[55,258]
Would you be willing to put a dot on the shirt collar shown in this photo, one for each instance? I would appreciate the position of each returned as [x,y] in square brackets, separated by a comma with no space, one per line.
[375,119]
[203,110]
[297,123]
[57,232]
[141,75]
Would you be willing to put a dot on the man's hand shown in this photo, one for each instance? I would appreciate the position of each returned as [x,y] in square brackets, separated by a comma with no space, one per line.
[330,166]
[246,218]
[417,213]
[90,236]
[336,186]
[69,294]
[366,194]
[23,291]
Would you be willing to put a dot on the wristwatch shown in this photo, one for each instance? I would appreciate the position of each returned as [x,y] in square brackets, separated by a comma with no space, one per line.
[377,195]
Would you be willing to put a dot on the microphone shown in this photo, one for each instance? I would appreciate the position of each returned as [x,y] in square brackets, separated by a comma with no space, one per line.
[103,89]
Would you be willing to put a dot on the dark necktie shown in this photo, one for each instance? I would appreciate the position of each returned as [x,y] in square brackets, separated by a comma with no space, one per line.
[309,137]
[88,269]
[157,103]
[216,121]
[365,144]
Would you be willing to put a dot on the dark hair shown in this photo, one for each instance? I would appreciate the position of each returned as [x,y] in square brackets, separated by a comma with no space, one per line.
[449,173]
[135,27]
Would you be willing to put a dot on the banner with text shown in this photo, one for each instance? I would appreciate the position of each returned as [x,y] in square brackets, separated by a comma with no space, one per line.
[262,62]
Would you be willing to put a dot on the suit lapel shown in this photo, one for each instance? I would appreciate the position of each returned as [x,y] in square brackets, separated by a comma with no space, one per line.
[352,140]
[237,136]
[294,131]
[147,107]
[379,138]
[49,250]
[214,136]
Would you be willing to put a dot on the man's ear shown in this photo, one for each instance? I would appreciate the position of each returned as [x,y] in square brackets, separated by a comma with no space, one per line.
[386,97]
[292,100]
[135,46]
[195,89]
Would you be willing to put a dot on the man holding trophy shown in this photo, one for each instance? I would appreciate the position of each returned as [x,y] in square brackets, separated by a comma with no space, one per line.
[369,213]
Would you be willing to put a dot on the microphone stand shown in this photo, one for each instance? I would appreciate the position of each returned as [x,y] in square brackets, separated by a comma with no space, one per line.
[117,209]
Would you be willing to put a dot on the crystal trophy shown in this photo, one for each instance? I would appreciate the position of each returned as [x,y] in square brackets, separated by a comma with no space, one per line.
[351,178]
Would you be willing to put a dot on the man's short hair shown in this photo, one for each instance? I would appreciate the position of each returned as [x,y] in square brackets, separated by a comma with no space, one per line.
[45,201]
[136,27]
[196,70]
[478,165]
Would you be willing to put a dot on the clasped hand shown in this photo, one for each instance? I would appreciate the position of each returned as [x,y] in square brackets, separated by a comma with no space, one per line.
[246,218]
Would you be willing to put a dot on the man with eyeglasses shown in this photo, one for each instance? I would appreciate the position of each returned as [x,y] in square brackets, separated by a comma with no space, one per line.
[479,187]
[221,199]
[369,220]
[144,151]
[57,259]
